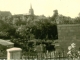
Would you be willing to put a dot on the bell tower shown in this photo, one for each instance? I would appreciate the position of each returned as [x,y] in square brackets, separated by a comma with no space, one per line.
[31,11]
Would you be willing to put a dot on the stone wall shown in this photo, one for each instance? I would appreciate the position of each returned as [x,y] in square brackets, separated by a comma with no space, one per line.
[67,34]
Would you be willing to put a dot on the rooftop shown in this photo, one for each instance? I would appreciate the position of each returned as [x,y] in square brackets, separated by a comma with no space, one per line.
[5,42]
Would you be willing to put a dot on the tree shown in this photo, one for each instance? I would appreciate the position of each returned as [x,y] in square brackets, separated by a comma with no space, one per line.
[55,15]
[45,30]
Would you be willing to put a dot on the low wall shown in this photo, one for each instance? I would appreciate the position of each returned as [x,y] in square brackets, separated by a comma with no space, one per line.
[67,34]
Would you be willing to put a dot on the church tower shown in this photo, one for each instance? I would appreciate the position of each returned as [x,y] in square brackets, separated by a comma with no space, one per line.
[31,11]
[31,14]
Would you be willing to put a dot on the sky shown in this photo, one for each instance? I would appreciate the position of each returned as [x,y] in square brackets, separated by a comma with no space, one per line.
[42,7]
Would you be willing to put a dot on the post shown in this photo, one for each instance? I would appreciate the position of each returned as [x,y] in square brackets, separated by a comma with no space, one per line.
[59,55]
[14,53]
[37,56]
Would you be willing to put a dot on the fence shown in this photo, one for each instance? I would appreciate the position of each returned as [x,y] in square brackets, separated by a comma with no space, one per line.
[45,56]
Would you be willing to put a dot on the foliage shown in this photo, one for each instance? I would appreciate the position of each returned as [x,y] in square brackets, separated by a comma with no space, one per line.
[21,29]
[72,51]
[45,30]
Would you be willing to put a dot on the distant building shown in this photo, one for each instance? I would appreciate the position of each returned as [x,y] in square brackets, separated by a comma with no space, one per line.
[5,13]
[31,11]
[31,14]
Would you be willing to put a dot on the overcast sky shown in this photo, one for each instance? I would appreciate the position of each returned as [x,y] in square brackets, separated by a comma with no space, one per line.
[42,7]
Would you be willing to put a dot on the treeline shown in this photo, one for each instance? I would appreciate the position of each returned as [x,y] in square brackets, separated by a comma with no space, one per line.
[68,20]
[21,29]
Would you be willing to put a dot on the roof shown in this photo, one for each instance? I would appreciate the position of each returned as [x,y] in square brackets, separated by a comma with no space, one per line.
[5,13]
[5,42]
[14,49]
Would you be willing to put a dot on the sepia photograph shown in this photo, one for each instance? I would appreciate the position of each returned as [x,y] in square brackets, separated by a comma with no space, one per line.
[39,30]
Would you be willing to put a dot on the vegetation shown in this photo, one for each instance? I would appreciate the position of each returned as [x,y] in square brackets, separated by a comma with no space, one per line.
[22,29]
